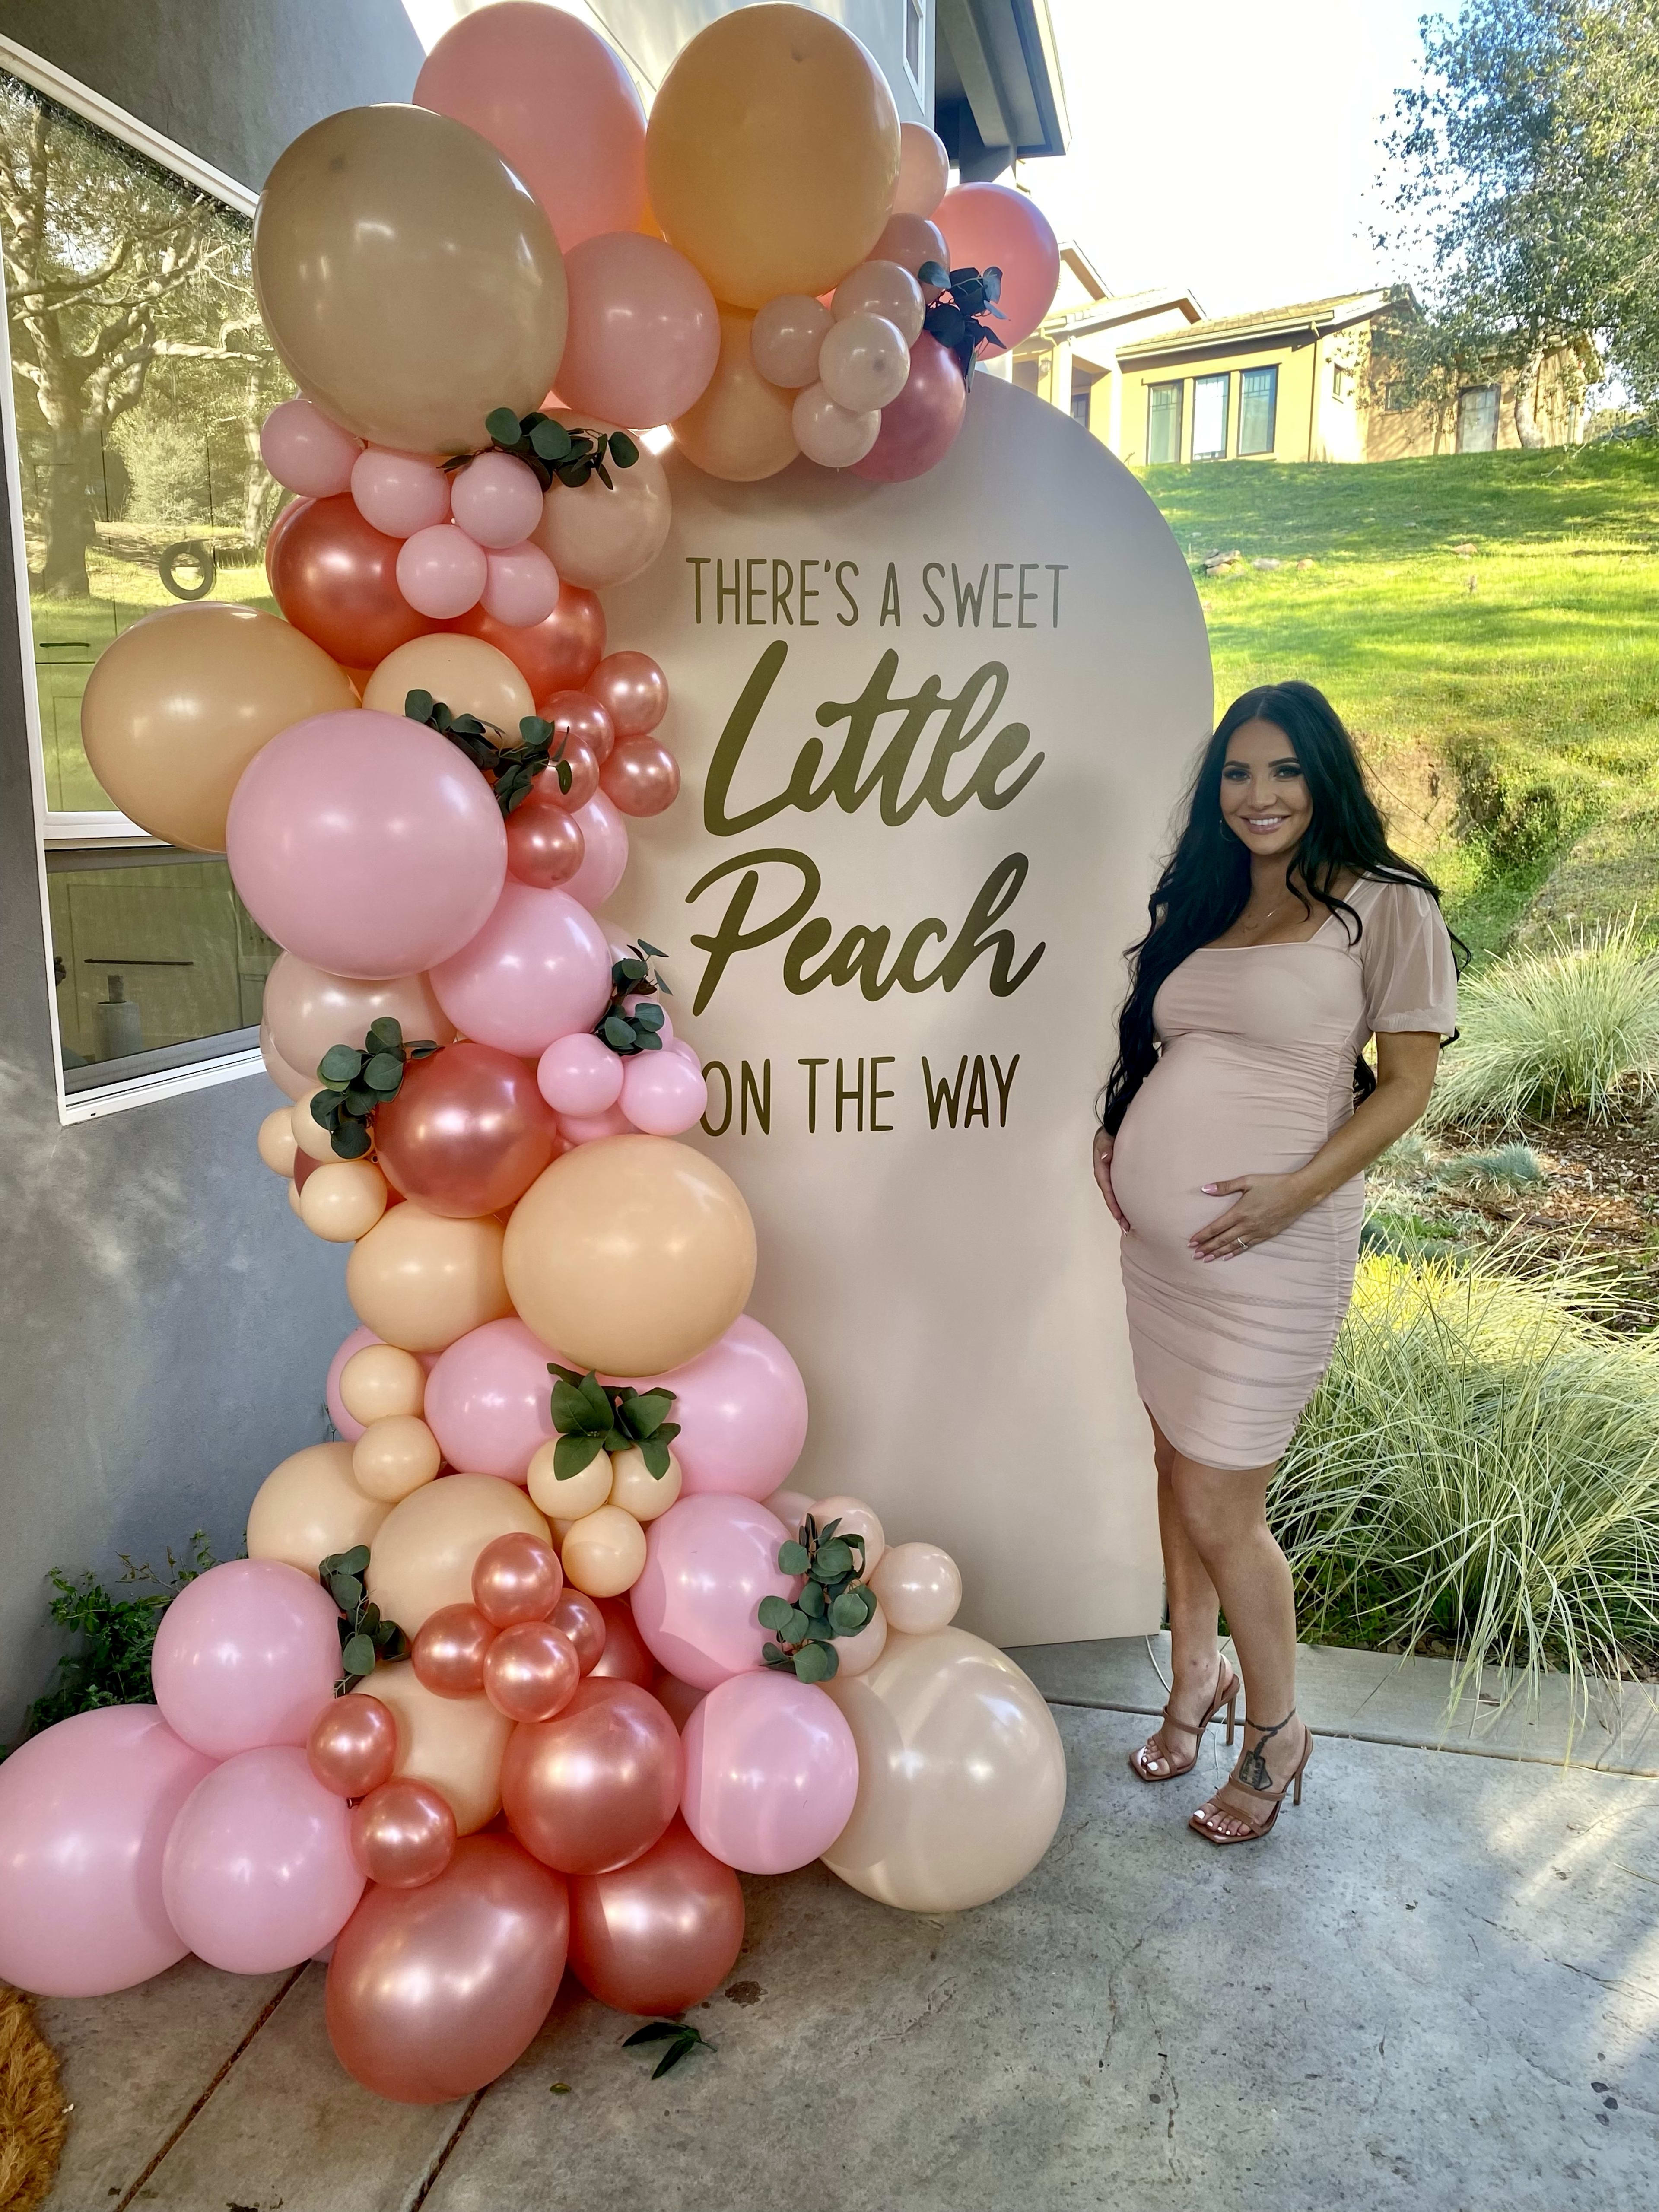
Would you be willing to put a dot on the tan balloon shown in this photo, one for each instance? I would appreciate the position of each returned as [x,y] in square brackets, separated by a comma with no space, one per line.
[343,1199]
[743,427]
[394,1457]
[293,1199]
[309,1507]
[567,1501]
[380,1382]
[407,278]
[962,1775]
[919,1588]
[856,1519]
[281,1073]
[420,1280]
[469,676]
[597,538]
[772,153]
[603,1552]
[454,1744]
[308,1010]
[277,1144]
[178,706]
[637,1490]
[632,1254]
[423,1555]
[309,1135]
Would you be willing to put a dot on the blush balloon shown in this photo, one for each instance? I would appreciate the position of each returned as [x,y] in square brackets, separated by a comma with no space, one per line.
[578,1617]
[488,1400]
[663,1094]
[538,968]
[403,1834]
[597,1786]
[624,1658]
[742,1410]
[449,1651]
[558,654]
[531,1672]
[661,1935]
[521,586]
[353,1746]
[633,690]
[245,1657]
[919,427]
[335,577]
[709,1561]
[640,777]
[580,1074]
[644,333]
[771,1772]
[605,853]
[545,847]
[305,451]
[497,500]
[399,493]
[516,1578]
[441,571]
[467,1132]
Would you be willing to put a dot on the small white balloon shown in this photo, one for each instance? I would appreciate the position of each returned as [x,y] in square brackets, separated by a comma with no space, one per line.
[857,1655]
[864,363]
[882,287]
[785,338]
[919,1588]
[832,435]
[924,176]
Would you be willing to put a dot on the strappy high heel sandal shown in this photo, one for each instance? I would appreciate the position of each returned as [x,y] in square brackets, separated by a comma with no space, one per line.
[1227,1687]
[1255,1826]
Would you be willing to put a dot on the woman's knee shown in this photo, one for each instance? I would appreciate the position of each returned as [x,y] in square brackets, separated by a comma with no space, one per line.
[1220,1510]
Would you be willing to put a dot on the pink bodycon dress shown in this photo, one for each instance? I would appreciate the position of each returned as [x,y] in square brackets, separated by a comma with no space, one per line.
[1255,1070]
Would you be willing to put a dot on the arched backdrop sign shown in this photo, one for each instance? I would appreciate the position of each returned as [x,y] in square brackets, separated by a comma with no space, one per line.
[931,735]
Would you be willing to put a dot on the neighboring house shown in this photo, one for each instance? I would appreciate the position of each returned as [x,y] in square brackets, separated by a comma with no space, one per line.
[1072,360]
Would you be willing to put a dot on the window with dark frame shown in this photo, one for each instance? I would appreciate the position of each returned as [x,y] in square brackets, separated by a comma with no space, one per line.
[1258,409]
[1210,397]
[1163,423]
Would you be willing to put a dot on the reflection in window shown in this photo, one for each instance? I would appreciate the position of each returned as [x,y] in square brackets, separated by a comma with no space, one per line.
[1210,418]
[1258,405]
[1163,422]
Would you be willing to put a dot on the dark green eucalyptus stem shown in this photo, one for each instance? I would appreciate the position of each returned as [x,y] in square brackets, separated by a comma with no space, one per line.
[510,765]
[681,2037]
[833,1601]
[355,1083]
[634,976]
[555,454]
[592,1418]
[365,1638]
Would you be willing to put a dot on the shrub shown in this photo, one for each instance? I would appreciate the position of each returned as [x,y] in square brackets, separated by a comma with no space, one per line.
[1559,1029]
[1480,1465]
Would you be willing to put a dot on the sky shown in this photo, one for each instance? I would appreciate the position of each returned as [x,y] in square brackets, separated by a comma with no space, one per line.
[1225,146]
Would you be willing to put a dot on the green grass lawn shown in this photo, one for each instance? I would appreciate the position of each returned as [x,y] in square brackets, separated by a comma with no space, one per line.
[1488,625]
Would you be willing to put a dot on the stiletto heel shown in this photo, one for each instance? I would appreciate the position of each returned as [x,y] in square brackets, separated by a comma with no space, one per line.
[1224,1800]
[1227,1687]
[1232,1704]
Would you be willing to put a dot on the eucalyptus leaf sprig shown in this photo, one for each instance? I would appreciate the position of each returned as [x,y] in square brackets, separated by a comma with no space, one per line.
[568,457]
[681,2037]
[955,318]
[592,1417]
[833,1601]
[365,1638]
[634,977]
[512,765]
[356,1082]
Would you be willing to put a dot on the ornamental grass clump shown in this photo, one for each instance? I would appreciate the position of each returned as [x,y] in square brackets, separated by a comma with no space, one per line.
[1479,1469]
[1563,1028]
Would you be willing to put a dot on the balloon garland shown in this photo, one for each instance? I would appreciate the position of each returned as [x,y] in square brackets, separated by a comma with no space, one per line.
[547,1571]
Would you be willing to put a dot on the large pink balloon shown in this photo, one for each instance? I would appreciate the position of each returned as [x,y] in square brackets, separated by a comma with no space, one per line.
[771,1772]
[709,1563]
[605,853]
[366,843]
[644,334]
[488,1400]
[259,1873]
[86,1807]
[919,427]
[741,1412]
[555,102]
[349,1428]
[993,226]
[538,968]
[246,1655]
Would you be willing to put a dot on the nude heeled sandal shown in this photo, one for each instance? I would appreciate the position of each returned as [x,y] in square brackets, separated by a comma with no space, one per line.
[1227,1687]
[1271,1798]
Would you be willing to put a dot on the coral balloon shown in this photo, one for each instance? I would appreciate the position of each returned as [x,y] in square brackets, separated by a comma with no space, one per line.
[305,452]
[885,290]
[605,853]
[335,577]
[795,188]
[604,1552]
[829,434]
[516,1579]
[530,1671]
[625,1658]
[919,427]
[962,1776]
[771,1772]
[598,1785]
[558,654]
[421,1279]
[538,967]
[379,1383]
[245,1657]
[741,428]
[545,847]
[991,226]
[557,104]
[924,176]
[662,1094]
[454,1744]
[433,1992]
[448,1653]
[308,1010]
[403,1834]
[640,777]
[580,719]
[343,1199]
[633,691]
[521,586]
[598,535]
[352,1746]
[488,1398]
[660,1935]
[469,676]
[428,1546]
[919,1587]
[86,1807]
[467,1132]
[709,1561]
[497,499]
[634,1253]
[741,1405]
[580,1074]
[584,1620]
[441,572]
[178,705]
[394,1457]
[864,363]
[644,333]
[399,494]
[380,227]
[309,1507]
[785,338]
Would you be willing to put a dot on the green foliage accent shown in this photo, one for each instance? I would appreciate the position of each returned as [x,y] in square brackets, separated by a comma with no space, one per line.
[354,1082]
[109,1664]
[592,1417]
[634,976]
[681,2039]
[833,1601]
[557,454]
[956,317]
[365,1638]
[509,765]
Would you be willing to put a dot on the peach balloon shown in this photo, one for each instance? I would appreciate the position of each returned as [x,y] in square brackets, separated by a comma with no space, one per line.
[583,1620]
[403,1834]
[420,1280]
[453,1744]
[632,1254]
[394,1457]
[449,1654]
[598,537]
[637,1490]
[469,676]
[309,1507]
[380,1380]
[924,176]
[603,1552]
[308,1010]
[577,1494]
[919,1588]
[343,1200]
[353,1746]
[857,1655]
[742,429]
[309,1135]
[277,1144]
[424,1554]
[530,1671]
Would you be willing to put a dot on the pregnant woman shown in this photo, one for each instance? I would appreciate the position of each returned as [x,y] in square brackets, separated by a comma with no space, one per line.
[1239,1119]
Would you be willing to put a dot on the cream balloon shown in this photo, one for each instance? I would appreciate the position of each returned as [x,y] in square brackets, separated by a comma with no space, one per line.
[830,434]
[308,1010]
[880,288]
[857,1655]
[598,537]
[791,1507]
[856,1519]
[924,176]
[962,1774]
[394,1457]
[567,1501]
[785,338]
[343,1199]
[455,1745]
[469,676]
[309,1508]
[637,1490]
[380,1382]
[278,1143]
[421,1279]
[424,1554]
[603,1552]
[864,363]
[919,1588]
[740,430]
[309,1135]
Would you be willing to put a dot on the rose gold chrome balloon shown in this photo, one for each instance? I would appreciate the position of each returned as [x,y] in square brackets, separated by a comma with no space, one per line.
[581,720]
[468,1132]
[545,846]
[516,1578]
[558,654]
[578,1616]
[403,1834]
[640,777]
[448,1653]
[335,579]
[597,1786]
[353,1746]
[583,762]
[624,1658]
[660,1935]
[531,1672]
[633,690]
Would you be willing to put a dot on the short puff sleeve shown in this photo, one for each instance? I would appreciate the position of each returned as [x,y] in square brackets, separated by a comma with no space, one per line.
[1406,961]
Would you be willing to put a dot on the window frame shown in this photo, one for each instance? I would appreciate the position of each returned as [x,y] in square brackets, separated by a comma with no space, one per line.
[1224,378]
[1269,368]
[1178,385]
[916,13]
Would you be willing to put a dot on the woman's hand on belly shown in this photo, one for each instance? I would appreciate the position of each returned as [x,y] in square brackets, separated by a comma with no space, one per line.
[1103,1159]
[1266,1206]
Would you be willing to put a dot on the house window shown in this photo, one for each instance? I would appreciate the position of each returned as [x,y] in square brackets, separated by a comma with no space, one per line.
[1258,409]
[916,39]
[1341,380]
[132,432]
[1395,400]
[1210,418]
[1082,392]
[1477,419]
[1163,422]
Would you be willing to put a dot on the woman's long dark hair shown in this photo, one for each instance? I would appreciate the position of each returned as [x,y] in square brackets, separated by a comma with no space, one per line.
[1205,885]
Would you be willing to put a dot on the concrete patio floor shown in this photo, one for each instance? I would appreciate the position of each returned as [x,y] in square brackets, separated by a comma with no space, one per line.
[1436,1986]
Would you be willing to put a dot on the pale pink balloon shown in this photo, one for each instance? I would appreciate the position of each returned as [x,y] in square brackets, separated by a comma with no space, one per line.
[382,804]
[488,1400]
[832,435]
[635,999]
[259,1873]
[497,500]
[991,226]
[912,241]
[864,363]
[661,1095]
[785,338]
[687,1052]
[741,1412]
[246,1656]
[709,1561]
[580,1074]
[771,1772]
[441,571]
[588,1128]
[399,494]
[644,334]
[924,176]
[521,586]
[306,451]
[882,287]
[538,969]
[604,853]
[86,1809]
[344,1422]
